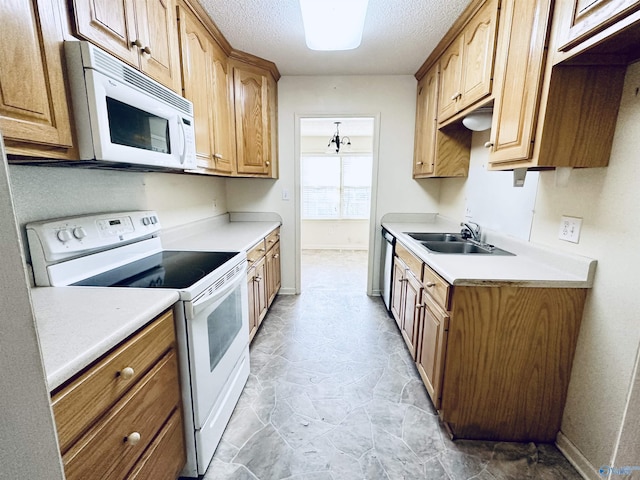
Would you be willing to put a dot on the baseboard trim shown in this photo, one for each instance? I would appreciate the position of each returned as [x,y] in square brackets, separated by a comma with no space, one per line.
[336,247]
[287,291]
[576,458]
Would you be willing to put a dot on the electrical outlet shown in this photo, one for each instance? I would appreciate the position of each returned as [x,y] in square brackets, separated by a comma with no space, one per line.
[570,229]
[286,196]
[215,203]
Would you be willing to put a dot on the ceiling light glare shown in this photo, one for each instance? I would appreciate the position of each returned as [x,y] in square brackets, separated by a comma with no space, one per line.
[333,24]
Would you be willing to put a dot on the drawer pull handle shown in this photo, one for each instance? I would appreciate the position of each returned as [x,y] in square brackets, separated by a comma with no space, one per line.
[127,373]
[430,284]
[133,438]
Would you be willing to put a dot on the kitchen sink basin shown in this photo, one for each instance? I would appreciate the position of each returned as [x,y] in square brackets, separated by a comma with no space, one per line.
[463,247]
[455,243]
[437,237]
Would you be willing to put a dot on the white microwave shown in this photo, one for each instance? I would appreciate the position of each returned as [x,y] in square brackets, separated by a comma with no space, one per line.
[123,118]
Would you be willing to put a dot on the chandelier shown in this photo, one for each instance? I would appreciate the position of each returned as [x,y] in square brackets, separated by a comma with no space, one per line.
[337,140]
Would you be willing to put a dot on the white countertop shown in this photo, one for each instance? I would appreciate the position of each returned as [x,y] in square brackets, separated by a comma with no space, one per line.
[532,265]
[77,325]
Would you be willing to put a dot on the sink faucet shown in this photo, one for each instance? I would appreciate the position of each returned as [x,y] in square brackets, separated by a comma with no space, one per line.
[470,230]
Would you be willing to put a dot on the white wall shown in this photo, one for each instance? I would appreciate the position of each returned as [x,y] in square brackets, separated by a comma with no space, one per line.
[390,97]
[28,445]
[607,199]
[41,193]
[335,234]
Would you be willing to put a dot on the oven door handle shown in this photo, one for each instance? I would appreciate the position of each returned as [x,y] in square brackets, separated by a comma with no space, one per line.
[205,300]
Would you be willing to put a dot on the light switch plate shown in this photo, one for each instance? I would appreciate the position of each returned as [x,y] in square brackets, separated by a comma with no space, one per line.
[570,229]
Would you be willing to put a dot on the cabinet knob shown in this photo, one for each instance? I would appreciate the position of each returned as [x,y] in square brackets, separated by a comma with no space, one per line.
[127,373]
[136,43]
[418,307]
[217,155]
[133,438]
[430,284]
[419,163]
[146,50]
[267,163]
[488,144]
[277,255]
[261,249]
[258,279]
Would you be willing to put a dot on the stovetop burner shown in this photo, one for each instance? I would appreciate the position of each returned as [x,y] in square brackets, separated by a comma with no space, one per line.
[167,269]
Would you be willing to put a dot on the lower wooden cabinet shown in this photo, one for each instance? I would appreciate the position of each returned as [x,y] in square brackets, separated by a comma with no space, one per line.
[495,360]
[434,326]
[263,278]
[121,418]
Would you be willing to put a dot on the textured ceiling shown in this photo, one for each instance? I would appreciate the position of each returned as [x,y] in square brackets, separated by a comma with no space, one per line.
[398,35]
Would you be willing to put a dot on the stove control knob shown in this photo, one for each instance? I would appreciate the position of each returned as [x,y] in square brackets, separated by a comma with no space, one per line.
[63,235]
[146,221]
[154,219]
[79,233]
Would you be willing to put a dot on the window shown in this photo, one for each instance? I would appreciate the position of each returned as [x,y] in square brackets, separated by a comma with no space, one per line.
[336,186]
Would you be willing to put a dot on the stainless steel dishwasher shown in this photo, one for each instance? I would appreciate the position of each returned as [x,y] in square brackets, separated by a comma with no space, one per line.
[388,243]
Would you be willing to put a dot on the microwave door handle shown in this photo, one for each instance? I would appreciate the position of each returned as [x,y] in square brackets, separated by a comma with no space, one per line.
[183,141]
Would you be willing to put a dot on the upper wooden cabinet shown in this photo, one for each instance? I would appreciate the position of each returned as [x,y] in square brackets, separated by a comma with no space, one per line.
[140,32]
[34,115]
[589,17]
[255,126]
[206,84]
[544,115]
[440,152]
[467,65]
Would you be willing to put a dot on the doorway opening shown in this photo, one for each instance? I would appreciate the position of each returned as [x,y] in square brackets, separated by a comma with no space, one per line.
[336,188]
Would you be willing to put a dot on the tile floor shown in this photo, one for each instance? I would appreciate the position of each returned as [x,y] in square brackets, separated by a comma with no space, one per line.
[333,394]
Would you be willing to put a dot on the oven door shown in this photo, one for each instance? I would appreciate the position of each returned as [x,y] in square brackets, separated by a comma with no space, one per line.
[218,336]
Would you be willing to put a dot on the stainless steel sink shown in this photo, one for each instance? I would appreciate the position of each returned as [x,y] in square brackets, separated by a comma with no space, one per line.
[454,243]
[437,237]
[463,247]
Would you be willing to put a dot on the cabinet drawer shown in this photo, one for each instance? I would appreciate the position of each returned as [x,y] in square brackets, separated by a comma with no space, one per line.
[413,262]
[257,251]
[80,403]
[104,451]
[165,457]
[272,238]
[436,287]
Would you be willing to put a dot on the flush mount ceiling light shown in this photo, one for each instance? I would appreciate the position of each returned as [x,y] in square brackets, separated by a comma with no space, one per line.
[337,141]
[479,120]
[333,24]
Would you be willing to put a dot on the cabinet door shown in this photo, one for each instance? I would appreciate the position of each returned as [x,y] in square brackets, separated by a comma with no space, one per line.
[273,272]
[426,124]
[110,24]
[223,134]
[479,42]
[450,81]
[195,46]
[589,17]
[251,289]
[156,27]
[252,136]
[519,71]
[33,99]
[411,313]
[397,290]
[430,358]
[261,289]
